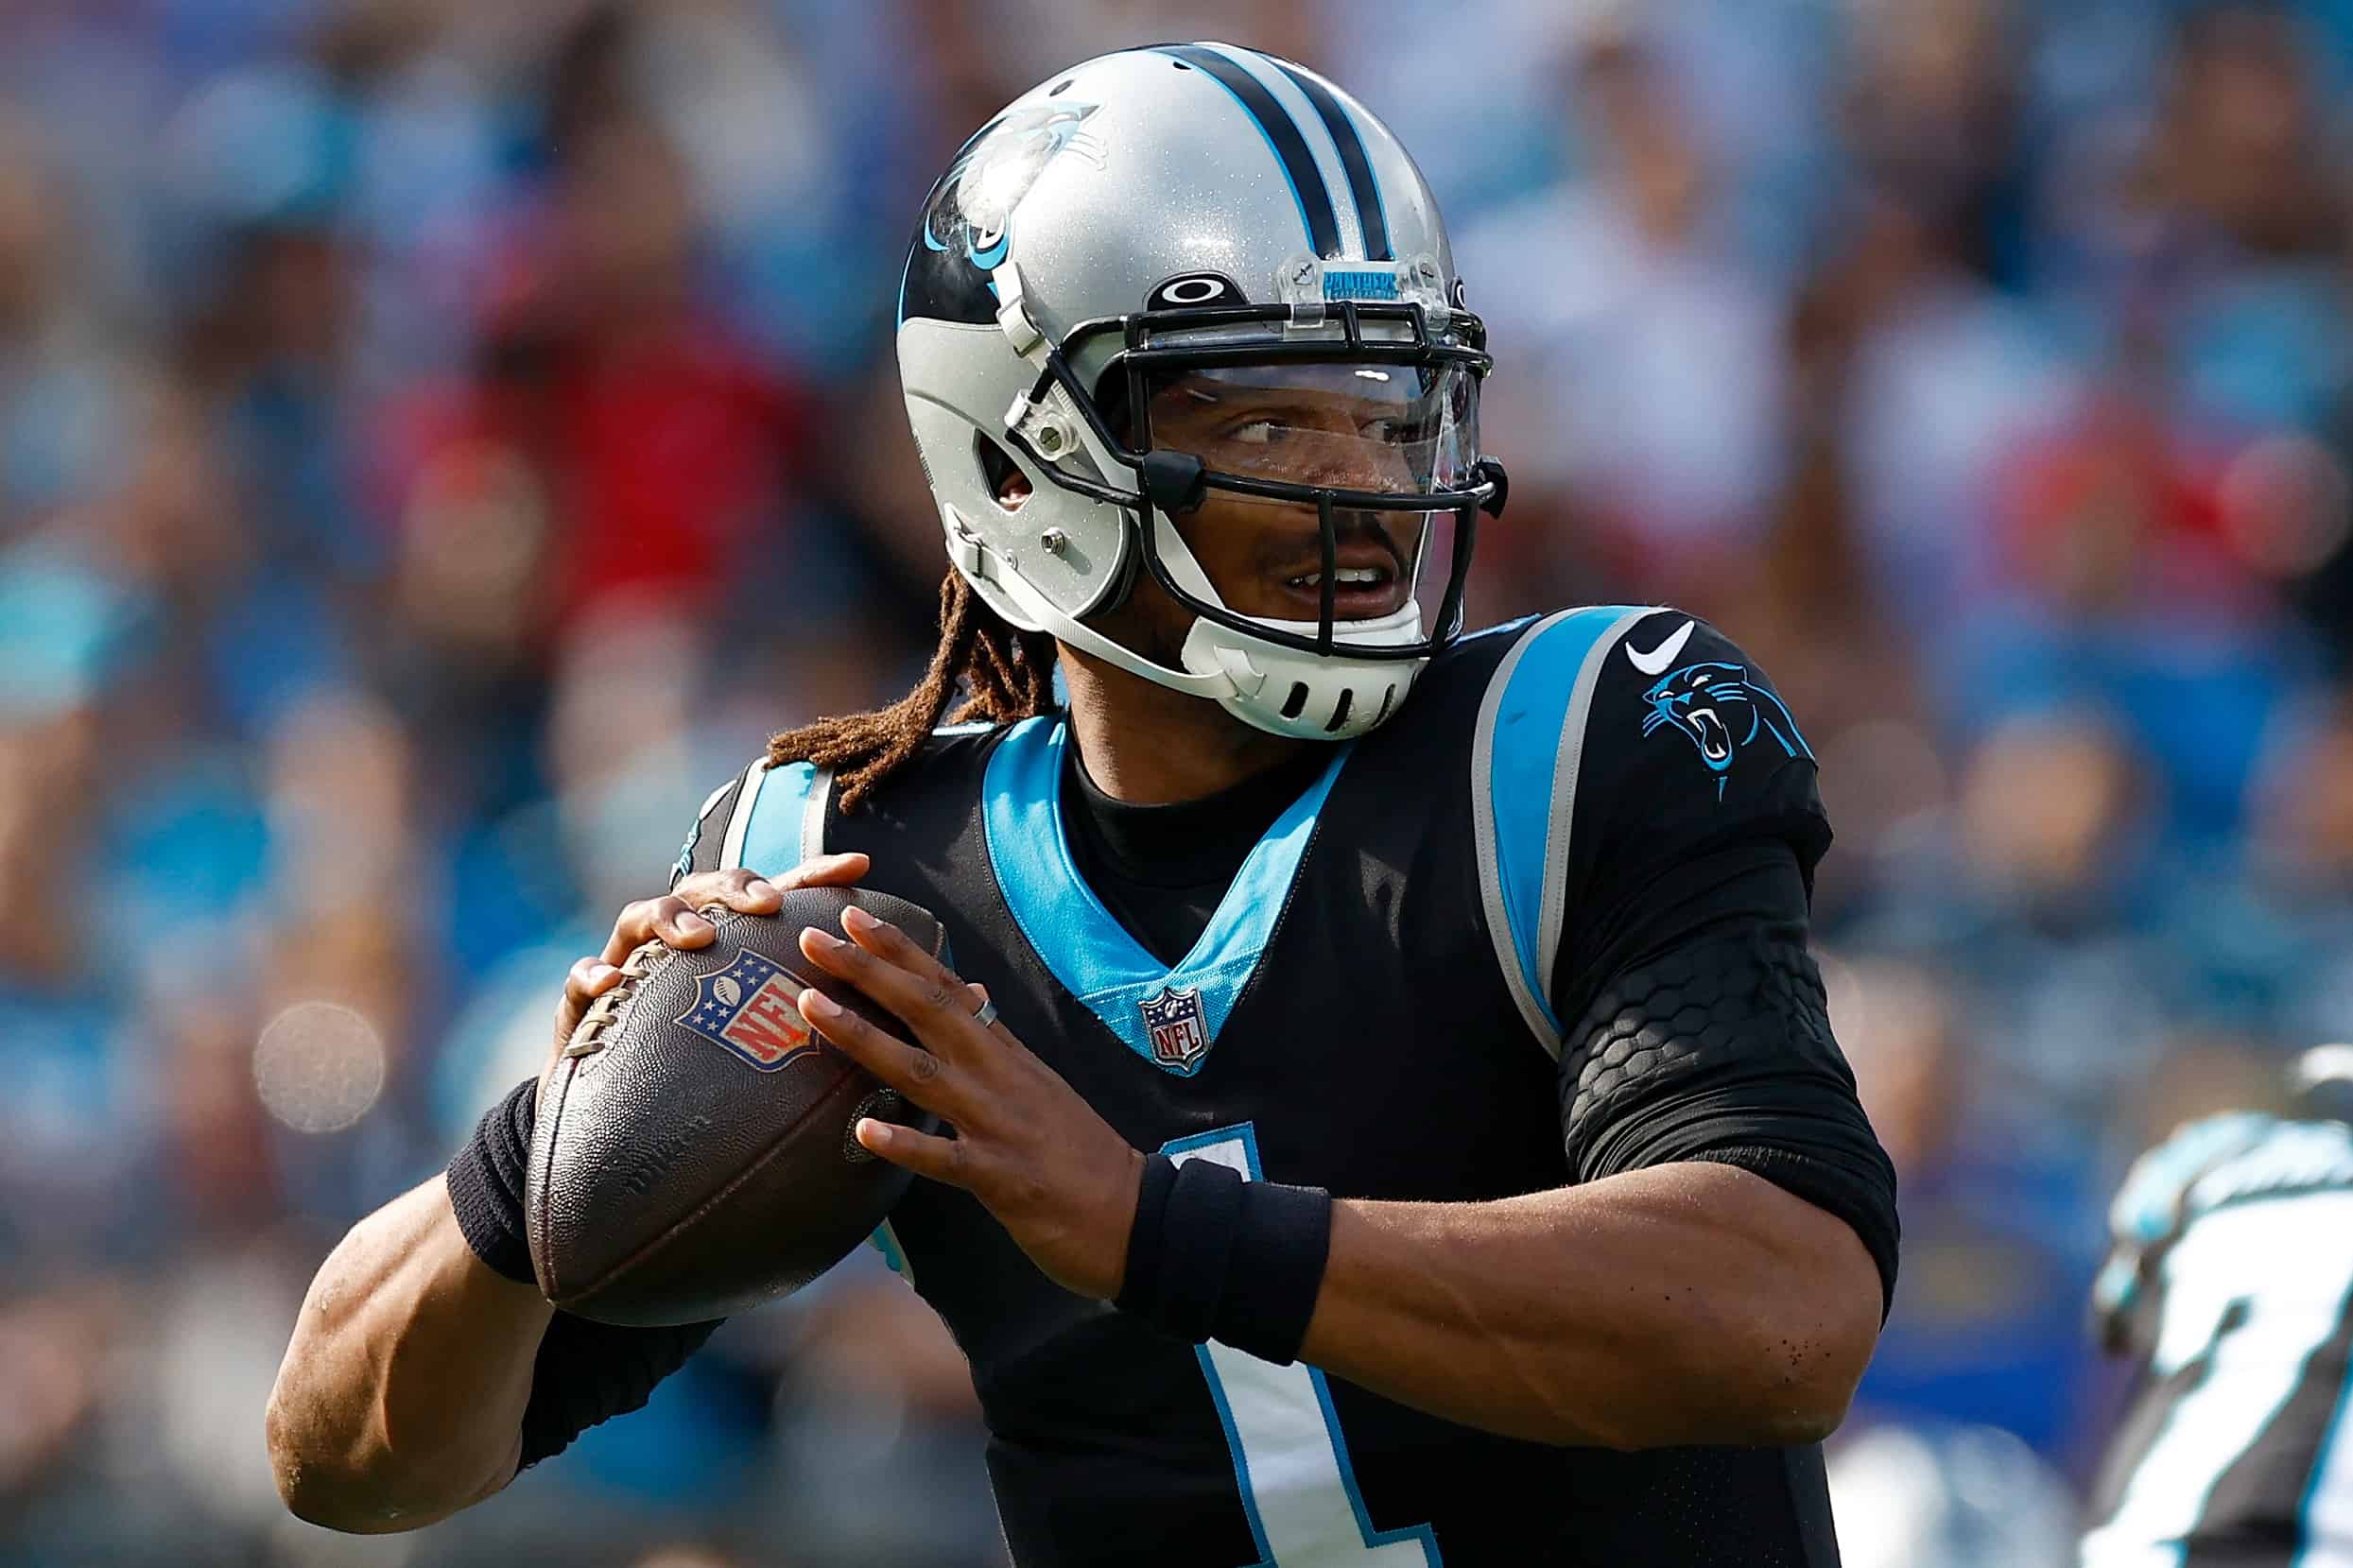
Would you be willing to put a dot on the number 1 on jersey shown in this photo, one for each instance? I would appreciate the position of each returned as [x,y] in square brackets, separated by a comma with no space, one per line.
[1289,1460]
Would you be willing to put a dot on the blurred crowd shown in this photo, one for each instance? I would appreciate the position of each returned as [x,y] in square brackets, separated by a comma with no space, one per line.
[438,441]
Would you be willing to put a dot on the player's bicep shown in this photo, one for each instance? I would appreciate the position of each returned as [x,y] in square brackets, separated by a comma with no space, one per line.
[1716,1046]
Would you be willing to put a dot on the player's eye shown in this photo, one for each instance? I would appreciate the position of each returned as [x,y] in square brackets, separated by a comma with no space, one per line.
[1252,433]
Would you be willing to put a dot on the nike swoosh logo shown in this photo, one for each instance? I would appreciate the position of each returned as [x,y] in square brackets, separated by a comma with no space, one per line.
[1657,661]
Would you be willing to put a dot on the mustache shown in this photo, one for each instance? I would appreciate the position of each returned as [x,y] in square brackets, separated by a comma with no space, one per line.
[1300,551]
[1348,526]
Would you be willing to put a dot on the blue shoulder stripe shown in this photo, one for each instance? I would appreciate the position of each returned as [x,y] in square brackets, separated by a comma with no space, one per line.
[1525,758]
[780,819]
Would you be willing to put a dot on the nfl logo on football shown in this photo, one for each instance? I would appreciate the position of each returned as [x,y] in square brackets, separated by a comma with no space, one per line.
[748,1007]
[1172,1017]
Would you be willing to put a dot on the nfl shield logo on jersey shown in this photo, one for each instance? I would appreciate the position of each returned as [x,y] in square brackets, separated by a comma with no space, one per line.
[1172,1017]
[748,1007]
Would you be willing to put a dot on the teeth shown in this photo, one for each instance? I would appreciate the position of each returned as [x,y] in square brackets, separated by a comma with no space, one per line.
[1359,577]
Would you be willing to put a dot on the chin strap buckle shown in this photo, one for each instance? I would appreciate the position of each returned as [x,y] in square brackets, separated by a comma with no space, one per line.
[1011,317]
[965,551]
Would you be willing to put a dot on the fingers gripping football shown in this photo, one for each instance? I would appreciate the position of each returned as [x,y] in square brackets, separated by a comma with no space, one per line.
[672,921]
[1059,1179]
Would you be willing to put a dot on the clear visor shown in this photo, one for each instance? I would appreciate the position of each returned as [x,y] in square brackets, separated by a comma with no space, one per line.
[1403,430]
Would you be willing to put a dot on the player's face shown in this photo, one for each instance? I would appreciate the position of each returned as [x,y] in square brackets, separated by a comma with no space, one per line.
[1391,430]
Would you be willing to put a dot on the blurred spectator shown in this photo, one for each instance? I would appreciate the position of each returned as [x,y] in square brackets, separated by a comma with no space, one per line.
[1637,394]
[64,387]
[1988,1327]
[1946,1497]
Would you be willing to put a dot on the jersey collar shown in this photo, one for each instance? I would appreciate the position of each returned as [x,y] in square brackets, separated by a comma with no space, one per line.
[1167,1015]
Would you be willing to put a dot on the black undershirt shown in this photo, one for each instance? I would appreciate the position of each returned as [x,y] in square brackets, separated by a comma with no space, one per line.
[1163,869]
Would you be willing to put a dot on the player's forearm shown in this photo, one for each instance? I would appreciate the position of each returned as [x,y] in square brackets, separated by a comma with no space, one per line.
[1691,1303]
[401,1398]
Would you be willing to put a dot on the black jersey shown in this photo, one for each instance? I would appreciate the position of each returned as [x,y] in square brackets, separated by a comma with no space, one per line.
[2232,1285]
[1439,974]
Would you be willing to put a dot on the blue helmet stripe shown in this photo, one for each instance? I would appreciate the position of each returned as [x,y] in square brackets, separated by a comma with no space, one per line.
[1363,187]
[1282,138]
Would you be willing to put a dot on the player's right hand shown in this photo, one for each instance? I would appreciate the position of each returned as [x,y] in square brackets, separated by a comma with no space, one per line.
[671,919]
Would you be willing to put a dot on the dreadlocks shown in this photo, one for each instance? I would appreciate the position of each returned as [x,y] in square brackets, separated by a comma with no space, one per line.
[1005,675]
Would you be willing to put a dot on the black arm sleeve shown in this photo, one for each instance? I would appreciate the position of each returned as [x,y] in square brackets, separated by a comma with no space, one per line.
[1704,1036]
[589,1373]
[1692,1021]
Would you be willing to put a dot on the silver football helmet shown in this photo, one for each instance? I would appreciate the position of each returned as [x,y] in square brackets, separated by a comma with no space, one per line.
[1128,245]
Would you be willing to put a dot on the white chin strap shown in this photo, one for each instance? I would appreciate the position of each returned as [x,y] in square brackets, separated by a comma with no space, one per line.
[1284,691]
[1287,691]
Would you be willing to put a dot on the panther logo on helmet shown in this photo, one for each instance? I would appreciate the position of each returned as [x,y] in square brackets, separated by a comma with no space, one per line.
[974,210]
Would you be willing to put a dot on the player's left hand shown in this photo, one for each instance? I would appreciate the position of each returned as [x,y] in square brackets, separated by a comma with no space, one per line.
[1056,1176]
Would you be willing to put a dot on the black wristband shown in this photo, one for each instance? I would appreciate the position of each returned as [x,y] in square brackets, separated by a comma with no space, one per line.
[1280,1248]
[1142,1282]
[1196,1247]
[485,1179]
[1211,1256]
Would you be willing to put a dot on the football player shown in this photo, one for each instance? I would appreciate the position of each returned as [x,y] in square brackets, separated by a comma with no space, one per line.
[2231,1284]
[1394,1117]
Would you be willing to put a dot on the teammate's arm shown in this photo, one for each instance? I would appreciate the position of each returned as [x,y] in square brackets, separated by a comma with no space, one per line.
[419,1379]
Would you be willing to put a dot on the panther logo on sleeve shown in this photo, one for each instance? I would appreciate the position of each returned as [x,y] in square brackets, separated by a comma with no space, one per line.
[1717,709]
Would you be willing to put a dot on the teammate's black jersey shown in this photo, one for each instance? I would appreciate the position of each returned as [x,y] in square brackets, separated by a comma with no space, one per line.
[2232,1284]
[1544,926]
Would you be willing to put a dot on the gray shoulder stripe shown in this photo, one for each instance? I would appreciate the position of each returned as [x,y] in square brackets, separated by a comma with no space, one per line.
[1488,850]
[731,847]
[1565,770]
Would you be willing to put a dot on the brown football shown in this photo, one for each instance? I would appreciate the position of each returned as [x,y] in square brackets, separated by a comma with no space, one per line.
[692,1155]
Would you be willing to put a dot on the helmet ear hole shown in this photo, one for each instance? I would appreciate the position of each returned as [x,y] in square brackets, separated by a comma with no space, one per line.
[1007,486]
